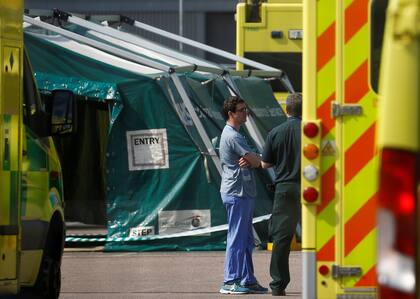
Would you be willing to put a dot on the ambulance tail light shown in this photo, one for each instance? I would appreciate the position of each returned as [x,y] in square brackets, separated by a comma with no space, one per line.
[397,224]
[310,151]
[324,270]
[310,194]
[310,129]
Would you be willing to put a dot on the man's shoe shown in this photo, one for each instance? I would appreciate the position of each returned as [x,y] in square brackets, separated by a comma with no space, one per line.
[256,288]
[278,292]
[234,288]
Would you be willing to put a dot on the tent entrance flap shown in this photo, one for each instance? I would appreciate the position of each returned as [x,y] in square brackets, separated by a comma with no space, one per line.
[83,164]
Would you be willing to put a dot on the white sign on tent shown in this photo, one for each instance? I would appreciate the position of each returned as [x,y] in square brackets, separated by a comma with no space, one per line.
[147,149]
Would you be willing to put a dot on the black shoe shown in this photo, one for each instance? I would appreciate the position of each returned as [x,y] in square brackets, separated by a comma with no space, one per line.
[278,292]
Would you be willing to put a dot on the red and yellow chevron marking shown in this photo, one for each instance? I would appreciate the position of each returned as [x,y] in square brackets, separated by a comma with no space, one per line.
[327,252]
[359,153]
[360,160]
[356,16]
[324,113]
[325,96]
[326,46]
[359,225]
[356,86]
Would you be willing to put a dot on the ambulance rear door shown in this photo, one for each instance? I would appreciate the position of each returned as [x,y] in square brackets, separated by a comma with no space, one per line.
[355,112]
[10,142]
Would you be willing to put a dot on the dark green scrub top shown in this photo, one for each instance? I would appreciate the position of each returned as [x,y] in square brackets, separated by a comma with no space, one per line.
[282,149]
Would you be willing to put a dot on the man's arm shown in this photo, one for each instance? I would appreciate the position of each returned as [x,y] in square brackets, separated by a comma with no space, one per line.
[252,159]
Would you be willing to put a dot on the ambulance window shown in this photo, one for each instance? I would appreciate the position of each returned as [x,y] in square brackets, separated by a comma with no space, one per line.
[33,108]
[378,13]
[290,63]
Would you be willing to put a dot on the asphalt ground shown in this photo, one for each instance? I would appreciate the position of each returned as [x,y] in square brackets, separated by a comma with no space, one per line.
[91,273]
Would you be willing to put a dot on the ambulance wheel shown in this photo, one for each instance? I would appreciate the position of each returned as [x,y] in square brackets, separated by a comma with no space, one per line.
[49,280]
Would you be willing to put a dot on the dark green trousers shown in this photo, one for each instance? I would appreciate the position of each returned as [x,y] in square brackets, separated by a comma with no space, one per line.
[285,216]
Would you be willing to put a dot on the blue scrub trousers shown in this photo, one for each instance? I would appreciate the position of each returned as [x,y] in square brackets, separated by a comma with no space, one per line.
[240,240]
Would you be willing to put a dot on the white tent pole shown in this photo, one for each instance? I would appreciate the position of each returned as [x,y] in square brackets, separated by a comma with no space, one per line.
[135,40]
[181,23]
[132,39]
[178,38]
[197,122]
[138,41]
[204,47]
[102,46]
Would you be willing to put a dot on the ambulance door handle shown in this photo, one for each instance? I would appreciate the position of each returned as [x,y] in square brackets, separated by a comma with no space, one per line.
[6,150]
[338,110]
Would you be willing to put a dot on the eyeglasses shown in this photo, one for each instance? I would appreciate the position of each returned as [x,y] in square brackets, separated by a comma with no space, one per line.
[244,109]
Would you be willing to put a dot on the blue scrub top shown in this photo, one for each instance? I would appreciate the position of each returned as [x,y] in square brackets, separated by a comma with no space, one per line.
[236,181]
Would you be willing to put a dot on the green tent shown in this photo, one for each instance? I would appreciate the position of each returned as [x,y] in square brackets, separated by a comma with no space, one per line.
[138,153]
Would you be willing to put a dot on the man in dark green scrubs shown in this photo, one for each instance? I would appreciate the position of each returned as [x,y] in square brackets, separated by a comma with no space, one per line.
[282,151]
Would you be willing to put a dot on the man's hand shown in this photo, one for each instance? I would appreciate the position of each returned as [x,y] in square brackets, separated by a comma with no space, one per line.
[253,160]
[243,163]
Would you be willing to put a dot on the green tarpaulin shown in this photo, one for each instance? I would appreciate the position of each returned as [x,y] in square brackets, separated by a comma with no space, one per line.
[159,178]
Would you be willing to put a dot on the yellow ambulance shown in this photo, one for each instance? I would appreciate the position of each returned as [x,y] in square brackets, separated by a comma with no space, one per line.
[399,148]
[343,42]
[360,146]
[270,32]
[32,228]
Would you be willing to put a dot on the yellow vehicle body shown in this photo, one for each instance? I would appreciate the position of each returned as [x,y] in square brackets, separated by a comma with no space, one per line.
[399,123]
[339,62]
[31,203]
[271,33]
[339,94]
[399,150]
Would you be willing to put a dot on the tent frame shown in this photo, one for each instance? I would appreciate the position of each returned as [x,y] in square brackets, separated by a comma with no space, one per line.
[265,71]
[261,70]
[144,61]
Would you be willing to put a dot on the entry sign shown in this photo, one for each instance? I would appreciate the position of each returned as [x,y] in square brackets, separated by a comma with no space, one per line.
[147,149]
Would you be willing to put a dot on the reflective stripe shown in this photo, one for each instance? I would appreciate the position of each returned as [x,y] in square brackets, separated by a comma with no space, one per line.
[360,156]
[355,148]
[356,16]
[197,232]
[324,113]
[356,85]
[326,94]
[357,227]
[326,46]
[327,253]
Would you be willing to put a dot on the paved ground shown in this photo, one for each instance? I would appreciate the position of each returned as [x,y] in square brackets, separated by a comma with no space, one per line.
[158,275]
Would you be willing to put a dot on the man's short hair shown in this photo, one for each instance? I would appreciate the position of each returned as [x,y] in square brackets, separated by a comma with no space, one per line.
[230,105]
[294,104]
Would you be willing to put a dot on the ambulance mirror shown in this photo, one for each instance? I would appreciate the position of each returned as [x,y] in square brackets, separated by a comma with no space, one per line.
[63,112]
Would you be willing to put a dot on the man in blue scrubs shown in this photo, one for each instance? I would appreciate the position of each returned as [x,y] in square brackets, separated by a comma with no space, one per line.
[238,193]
